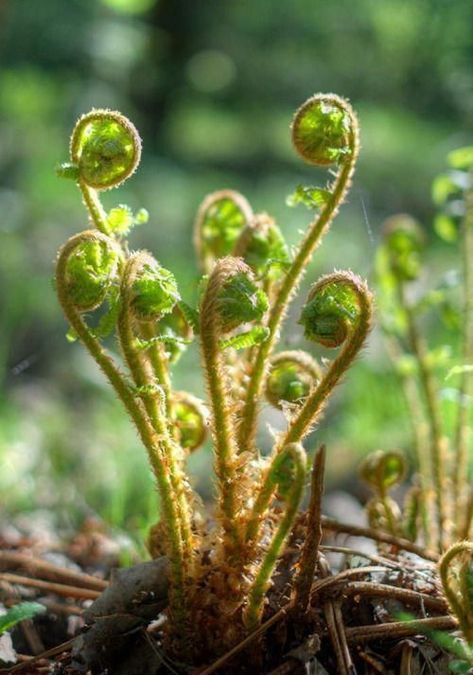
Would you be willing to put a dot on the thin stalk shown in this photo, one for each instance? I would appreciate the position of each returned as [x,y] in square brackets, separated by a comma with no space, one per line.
[462,435]
[223,425]
[420,435]
[159,363]
[433,413]
[313,536]
[94,206]
[254,608]
[143,376]
[383,496]
[316,231]
[138,416]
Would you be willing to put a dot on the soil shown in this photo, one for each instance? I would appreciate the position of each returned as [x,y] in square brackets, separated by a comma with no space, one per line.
[101,620]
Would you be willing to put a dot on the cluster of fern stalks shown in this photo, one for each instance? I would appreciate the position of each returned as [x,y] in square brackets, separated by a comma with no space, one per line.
[220,569]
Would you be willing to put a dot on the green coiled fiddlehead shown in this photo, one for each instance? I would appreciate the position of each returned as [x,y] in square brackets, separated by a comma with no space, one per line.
[221,218]
[383,470]
[291,376]
[105,150]
[325,132]
[338,313]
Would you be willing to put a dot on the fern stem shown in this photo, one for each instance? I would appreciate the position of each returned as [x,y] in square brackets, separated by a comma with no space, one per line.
[437,441]
[254,608]
[316,231]
[223,425]
[94,206]
[143,375]
[462,436]
[313,405]
[138,416]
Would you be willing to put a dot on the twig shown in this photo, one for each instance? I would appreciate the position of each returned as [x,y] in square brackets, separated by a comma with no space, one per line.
[405,594]
[64,647]
[335,626]
[334,580]
[398,629]
[50,571]
[310,551]
[376,559]
[32,637]
[57,589]
[378,535]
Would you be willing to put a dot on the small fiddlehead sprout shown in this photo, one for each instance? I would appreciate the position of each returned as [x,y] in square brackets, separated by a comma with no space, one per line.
[239,300]
[148,292]
[324,132]
[382,471]
[456,573]
[286,477]
[106,148]
[220,220]
[262,247]
[154,292]
[338,312]
[331,313]
[190,419]
[91,268]
[291,376]
[403,243]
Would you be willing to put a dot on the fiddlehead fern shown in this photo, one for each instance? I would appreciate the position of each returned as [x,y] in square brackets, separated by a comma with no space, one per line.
[190,417]
[286,476]
[105,149]
[220,220]
[231,299]
[148,291]
[338,312]
[291,376]
[382,471]
[220,582]
[324,132]
[91,268]
[262,247]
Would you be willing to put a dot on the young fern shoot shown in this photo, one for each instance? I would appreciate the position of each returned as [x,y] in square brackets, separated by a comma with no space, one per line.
[324,133]
[221,570]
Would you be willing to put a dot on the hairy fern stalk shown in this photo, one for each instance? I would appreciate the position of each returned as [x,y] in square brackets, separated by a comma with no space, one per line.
[220,572]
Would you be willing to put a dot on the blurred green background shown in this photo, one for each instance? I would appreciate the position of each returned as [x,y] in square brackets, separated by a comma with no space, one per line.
[212,86]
